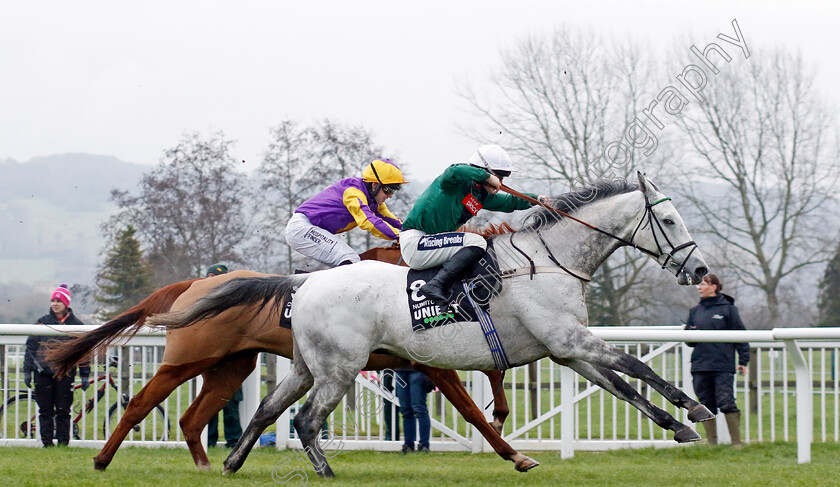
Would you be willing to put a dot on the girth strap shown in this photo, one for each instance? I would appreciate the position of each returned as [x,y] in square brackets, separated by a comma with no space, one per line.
[500,359]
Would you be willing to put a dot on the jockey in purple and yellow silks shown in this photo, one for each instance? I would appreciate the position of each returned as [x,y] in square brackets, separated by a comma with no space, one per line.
[346,204]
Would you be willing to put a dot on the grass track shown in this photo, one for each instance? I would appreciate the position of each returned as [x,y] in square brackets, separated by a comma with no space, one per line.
[759,465]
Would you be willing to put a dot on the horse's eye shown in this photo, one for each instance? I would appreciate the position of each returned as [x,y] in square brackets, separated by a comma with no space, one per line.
[668,221]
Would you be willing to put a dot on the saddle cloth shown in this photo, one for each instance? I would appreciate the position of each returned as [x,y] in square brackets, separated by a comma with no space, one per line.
[483,282]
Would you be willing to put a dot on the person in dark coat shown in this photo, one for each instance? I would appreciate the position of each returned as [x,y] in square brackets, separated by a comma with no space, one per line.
[713,364]
[54,396]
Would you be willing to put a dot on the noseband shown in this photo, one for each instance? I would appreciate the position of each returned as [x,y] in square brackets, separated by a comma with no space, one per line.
[669,256]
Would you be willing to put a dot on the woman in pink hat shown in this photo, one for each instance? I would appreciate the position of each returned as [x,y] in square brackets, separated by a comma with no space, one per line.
[53,395]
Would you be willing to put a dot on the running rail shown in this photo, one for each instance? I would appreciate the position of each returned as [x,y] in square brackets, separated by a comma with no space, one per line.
[789,336]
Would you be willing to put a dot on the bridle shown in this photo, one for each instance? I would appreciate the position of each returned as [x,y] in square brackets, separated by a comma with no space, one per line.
[669,256]
[649,217]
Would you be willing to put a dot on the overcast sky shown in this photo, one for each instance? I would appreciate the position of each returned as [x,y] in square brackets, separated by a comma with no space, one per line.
[128,79]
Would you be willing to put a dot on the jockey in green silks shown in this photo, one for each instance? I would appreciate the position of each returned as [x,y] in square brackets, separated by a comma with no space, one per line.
[428,237]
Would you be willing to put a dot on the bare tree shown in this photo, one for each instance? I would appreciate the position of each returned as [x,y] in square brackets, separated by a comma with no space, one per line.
[767,164]
[189,211]
[287,177]
[557,103]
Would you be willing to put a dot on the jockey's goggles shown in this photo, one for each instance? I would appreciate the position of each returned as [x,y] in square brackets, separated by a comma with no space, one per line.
[500,173]
[390,189]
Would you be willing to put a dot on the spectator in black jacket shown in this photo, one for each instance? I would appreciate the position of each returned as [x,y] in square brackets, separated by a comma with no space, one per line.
[53,395]
[713,364]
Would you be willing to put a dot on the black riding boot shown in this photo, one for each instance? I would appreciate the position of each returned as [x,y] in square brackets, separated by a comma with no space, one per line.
[438,288]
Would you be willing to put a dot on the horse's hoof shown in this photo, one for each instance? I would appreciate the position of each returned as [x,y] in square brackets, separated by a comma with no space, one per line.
[230,468]
[98,465]
[525,464]
[700,413]
[686,435]
[203,466]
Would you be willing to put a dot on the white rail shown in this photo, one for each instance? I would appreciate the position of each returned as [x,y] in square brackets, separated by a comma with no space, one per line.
[540,431]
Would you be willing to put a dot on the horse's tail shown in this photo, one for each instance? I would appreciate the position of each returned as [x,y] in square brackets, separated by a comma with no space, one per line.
[65,355]
[242,291]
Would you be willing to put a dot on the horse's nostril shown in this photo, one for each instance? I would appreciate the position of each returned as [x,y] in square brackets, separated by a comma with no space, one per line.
[701,271]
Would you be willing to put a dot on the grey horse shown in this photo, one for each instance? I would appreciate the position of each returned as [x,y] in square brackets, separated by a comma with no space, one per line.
[342,315]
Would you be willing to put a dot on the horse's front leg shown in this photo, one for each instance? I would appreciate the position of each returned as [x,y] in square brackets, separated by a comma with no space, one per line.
[573,341]
[560,325]
[630,365]
[611,382]
[290,389]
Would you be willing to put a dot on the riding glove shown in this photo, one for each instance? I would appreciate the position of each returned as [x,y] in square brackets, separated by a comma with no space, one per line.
[85,382]
[27,379]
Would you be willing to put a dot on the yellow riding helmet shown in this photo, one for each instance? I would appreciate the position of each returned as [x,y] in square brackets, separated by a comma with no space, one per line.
[383,171]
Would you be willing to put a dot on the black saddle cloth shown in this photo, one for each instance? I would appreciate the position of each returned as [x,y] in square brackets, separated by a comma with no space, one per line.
[482,283]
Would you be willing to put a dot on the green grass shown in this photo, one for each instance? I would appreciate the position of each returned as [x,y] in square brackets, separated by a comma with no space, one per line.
[700,465]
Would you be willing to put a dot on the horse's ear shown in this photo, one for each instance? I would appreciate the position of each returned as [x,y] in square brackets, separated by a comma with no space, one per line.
[642,181]
[646,185]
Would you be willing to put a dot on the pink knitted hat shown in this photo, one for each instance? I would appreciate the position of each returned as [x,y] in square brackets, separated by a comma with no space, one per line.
[62,293]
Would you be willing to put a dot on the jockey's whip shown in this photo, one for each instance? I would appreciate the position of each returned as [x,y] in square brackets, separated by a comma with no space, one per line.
[528,198]
[535,201]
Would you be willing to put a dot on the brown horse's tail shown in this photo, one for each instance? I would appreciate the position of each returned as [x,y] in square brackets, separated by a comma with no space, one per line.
[66,354]
[242,291]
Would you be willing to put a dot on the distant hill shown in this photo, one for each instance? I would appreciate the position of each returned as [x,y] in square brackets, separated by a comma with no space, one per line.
[51,209]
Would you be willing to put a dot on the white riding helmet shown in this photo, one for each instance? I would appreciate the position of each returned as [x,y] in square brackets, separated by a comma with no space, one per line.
[495,157]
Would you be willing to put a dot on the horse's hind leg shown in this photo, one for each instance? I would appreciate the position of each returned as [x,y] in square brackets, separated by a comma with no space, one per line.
[500,404]
[290,389]
[322,400]
[165,380]
[450,385]
[220,383]
[610,381]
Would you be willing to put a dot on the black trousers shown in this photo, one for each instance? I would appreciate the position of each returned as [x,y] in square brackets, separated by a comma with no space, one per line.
[230,415]
[54,398]
[715,390]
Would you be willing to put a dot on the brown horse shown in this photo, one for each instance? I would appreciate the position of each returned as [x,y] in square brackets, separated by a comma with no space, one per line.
[223,350]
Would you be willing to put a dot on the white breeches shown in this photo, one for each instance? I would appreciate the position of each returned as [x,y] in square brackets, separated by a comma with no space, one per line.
[423,251]
[317,243]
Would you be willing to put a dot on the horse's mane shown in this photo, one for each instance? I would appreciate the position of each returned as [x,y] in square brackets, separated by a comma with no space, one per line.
[574,200]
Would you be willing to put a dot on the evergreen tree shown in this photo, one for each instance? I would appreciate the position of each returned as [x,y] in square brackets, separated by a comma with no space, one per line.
[829,293]
[124,278]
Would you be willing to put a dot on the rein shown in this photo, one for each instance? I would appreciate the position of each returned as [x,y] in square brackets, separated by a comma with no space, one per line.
[649,215]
